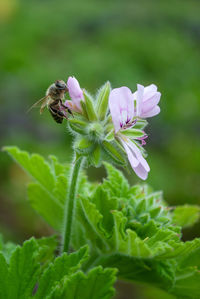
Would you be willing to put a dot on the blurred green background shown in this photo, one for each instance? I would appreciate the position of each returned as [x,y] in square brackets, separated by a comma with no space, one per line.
[125,42]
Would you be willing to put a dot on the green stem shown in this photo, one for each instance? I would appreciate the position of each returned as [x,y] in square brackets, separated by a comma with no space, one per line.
[70,206]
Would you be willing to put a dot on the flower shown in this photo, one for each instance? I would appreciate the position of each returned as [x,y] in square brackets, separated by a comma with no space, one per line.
[147,99]
[76,94]
[121,104]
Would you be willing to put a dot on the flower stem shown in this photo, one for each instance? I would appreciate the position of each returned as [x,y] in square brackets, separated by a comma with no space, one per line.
[70,206]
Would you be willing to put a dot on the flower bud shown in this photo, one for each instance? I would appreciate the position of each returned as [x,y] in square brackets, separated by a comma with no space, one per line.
[95,131]
[89,107]
[102,101]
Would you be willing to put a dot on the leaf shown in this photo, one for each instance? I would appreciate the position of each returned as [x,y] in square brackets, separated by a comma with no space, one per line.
[186,215]
[47,194]
[6,249]
[105,205]
[116,184]
[35,165]
[46,205]
[47,249]
[3,277]
[23,271]
[62,266]
[97,284]
[187,283]
[139,239]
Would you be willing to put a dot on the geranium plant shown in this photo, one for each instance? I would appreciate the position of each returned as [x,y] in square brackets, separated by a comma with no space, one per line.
[103,231]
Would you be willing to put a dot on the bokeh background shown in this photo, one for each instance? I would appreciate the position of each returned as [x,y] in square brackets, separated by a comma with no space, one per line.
[125,42]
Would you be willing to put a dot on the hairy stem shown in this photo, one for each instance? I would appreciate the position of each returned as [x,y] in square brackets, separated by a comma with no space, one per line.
[70,206]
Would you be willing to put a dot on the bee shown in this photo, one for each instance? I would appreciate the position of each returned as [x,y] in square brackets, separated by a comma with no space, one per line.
[53,101]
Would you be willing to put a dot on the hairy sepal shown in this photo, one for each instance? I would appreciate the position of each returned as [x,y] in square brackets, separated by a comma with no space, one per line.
[102,101]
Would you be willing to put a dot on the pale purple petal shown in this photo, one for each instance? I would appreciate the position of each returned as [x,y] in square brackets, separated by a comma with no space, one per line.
[138,163]
[139,99]
[131,156]
[121,106]
[75,92]
[139,156]
[151,102]
[153,112]
[71,105]
[147,99]
[141,172]
[149,91]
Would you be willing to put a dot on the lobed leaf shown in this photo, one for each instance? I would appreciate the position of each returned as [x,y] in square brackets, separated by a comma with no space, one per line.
[97,284]
[186,215]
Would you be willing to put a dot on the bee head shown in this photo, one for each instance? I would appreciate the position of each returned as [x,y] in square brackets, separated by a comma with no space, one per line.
[60,84]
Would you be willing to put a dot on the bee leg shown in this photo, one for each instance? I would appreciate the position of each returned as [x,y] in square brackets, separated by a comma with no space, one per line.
[65,107]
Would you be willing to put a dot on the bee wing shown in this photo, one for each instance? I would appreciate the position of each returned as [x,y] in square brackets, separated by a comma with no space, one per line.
[43,103]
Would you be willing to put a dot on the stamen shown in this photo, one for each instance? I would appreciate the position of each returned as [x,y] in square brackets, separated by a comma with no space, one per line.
[142,139]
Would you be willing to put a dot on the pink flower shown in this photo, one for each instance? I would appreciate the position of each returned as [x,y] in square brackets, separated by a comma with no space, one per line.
[147,99]
[122,110]
[76,94]
[121,107]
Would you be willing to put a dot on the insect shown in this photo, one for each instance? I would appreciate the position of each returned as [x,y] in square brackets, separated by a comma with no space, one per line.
[53,101]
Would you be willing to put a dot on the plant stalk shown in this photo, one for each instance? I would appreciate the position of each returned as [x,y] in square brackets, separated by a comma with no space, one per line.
[70,206]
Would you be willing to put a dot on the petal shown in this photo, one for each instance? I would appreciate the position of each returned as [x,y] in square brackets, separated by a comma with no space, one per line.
[151,102]
[152,112]
[131,156]
[71,105]
[75,92]
[139,99]
[139,156]
[121,106]
[149,91]
[141,172]
[138,163]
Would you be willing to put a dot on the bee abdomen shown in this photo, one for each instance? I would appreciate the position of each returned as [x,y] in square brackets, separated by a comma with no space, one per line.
[56,114]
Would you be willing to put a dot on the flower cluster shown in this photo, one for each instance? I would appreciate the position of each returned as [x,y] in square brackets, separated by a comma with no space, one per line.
[117,132]
[126,108]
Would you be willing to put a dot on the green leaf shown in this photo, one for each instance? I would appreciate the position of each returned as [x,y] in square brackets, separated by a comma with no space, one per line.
[105,205]
[7,249]
[47,249]
[116,183]
[102,100]
[89,107]
[35,165]
[97,284]
[137,236]
[46,205]
[187,283]
[48,193]
[186,215]
[3,277]
[23,271]
[62,266]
